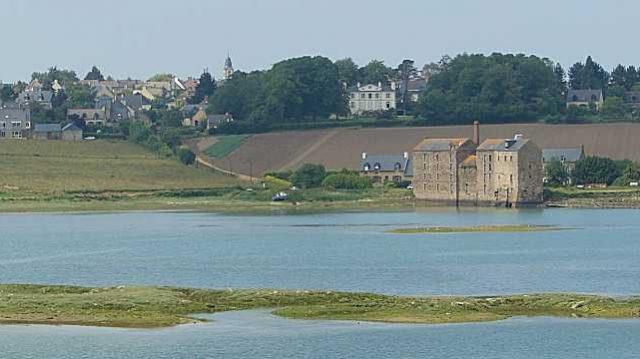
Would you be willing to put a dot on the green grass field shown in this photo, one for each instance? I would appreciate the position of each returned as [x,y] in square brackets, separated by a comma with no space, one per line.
[225,145]
[57,166]
[152,307]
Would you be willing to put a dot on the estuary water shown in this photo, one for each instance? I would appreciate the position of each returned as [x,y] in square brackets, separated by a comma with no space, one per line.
[599,252]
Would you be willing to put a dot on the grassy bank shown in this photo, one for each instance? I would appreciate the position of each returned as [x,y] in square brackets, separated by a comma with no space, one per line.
[153,307]
[472,229]
[224,199]
[54,167]
[613,197]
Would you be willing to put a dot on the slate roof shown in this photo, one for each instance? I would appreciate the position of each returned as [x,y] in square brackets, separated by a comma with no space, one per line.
[47,127]
[71,127]
[584,96]
[135,102]
[440,144]
[13,114]
[387,163]
[562,154]
[495,144]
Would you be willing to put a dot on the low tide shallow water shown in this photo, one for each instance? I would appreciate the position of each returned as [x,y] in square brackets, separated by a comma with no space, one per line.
[258,334]
[600,253]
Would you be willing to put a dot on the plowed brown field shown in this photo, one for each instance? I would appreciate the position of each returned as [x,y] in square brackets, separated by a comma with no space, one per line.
[342,148]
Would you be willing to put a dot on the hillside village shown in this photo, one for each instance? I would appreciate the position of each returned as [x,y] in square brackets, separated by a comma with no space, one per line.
[163,112]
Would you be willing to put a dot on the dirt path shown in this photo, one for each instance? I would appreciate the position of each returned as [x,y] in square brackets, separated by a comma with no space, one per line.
[299,159]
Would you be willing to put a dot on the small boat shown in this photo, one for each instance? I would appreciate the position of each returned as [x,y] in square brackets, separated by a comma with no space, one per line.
[279,197]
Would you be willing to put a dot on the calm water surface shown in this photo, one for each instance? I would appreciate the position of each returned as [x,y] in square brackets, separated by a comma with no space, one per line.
[351,252]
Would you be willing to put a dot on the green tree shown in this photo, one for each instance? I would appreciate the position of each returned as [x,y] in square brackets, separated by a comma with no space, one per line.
[630,174]
[556,173]
[94,74]
[161,77]
[79,96]
[6,93]
[346,181]
[347,71]
[309,176]
[374,72]
[497,88]
[619,77]
[47,78]
[406,71]
[614,108]
[186,156]
[594,169]
[588,76]
[206,87]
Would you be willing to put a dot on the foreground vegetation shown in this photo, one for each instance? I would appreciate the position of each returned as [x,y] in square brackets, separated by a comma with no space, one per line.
[474,229]
[31,168]
[612,197]
[154,307]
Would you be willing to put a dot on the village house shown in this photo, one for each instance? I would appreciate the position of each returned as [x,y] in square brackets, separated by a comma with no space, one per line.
[415,88]
[215,120]
[372,98]
[71,132]
[386,168]
[567,157]
[91,116]
[497,172]
[34,93]
[47,131]
[15,122]
[585,98]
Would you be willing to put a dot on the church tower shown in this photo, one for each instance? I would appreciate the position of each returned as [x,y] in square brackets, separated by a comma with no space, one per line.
[228,68]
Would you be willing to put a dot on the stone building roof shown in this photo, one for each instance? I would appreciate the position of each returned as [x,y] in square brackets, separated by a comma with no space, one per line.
[440,144]
[502,145]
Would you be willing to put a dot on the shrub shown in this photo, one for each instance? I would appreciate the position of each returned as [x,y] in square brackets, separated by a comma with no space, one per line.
[346,181]
[286,175]
[596,170]
[309,176]
[277,183]
[186,156]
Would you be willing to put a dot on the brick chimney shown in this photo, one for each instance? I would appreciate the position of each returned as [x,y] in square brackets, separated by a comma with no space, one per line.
[476,132]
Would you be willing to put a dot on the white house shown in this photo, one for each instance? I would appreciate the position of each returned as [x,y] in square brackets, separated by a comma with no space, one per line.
[372,98]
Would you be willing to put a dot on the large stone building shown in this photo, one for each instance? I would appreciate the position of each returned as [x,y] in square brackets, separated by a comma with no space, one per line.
[498,172]
[372,98]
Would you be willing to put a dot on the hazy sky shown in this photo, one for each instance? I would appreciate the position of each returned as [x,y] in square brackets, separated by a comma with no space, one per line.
[138,38]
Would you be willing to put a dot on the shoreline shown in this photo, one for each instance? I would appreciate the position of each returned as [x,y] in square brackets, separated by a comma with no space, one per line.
[163,307]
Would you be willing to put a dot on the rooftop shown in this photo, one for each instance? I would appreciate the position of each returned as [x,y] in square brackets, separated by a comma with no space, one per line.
[504,145]
[440,144]
[562,154]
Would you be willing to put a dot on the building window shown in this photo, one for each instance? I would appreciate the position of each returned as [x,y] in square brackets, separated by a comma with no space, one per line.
[377,167]
[370,96]
[377,96]
[353,104]
[363,96]
[353,95]
[594,98]
[388,95]
[397,166]
[366,167]
[388,105]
